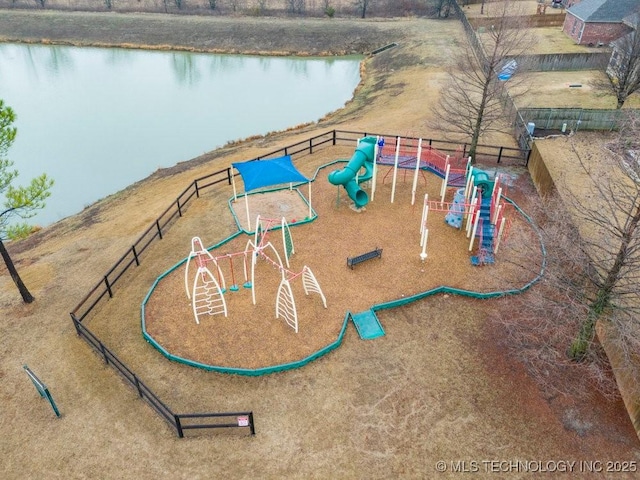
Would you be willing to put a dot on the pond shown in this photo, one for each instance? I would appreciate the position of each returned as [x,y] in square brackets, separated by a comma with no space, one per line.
[97,120]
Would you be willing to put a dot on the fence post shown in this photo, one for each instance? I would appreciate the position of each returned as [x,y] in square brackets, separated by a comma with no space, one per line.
[310,146]
[106,282]
[137,384]
[176,419]
[104,353]
[76,323]
[179,209]
[500,154]
[135,255]
[464,151]
[334,137]
[195,184]
[252,427]
[159,229]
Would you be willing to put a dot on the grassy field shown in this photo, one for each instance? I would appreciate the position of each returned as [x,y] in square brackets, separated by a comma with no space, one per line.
[438,387]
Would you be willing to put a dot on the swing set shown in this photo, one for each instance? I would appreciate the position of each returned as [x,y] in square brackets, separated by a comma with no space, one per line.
[208,290]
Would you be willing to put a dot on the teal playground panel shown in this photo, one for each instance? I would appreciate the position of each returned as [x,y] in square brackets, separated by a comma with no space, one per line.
[367,325]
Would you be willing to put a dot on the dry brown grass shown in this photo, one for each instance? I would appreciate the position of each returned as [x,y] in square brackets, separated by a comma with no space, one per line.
[437,386]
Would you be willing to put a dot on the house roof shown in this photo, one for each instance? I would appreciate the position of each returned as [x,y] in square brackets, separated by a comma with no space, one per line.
[604,11]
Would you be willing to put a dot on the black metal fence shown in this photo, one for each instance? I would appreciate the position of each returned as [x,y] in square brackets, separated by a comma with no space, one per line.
[105,289]
[485,154]
[520,131]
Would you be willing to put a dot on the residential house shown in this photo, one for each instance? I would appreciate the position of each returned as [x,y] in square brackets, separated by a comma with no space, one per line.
[626,46]
[598,22]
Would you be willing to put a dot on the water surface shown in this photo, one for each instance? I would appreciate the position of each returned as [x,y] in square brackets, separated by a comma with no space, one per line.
[97,120]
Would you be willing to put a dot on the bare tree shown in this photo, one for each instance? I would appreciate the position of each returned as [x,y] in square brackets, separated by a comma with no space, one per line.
[296,6]
[443,8]
[612,240]
[624,67]
[540,324]
[362,6]
[472,100]
[262,6]
[592,270]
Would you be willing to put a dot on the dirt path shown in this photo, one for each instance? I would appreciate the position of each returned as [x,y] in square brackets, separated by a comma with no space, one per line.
[436,387]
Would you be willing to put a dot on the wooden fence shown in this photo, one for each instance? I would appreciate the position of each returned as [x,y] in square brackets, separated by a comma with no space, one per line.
[527,21]
[572,118]
[563,61]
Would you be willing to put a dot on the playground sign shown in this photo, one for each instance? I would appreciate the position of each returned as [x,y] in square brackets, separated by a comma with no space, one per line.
[243,421]
[42,389]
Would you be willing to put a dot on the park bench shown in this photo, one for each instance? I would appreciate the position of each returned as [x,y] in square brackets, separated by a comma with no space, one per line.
[351,261]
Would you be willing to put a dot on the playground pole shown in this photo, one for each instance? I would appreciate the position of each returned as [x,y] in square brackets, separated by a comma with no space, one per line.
[425,212]
[254,259]
[423,244]
[246,206]
[445,180]
[310,210]
[375,168]
[415,173]
[469,182]
[473,210]
[498,206]
[500,231]
[395,169]
[233,183]
[473,233]
[495,199]
[470,216]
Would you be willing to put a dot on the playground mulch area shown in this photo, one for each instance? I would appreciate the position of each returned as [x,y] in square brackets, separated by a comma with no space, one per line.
[250,337]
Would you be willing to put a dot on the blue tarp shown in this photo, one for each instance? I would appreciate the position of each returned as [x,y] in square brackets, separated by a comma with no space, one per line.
[508,70]
[265,173]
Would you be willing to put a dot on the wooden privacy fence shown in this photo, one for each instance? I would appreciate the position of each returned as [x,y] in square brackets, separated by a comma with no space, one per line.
[563,61]
[105,289]
[528,21]
[573,118]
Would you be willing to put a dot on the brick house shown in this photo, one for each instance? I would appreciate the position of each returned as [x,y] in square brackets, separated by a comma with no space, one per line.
[598,22]
[626,46]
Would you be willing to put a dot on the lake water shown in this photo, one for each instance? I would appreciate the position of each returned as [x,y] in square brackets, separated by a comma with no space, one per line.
[97,120]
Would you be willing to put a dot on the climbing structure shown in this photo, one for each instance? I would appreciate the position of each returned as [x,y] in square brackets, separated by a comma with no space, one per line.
[207,297]
[479,202]
[207,290]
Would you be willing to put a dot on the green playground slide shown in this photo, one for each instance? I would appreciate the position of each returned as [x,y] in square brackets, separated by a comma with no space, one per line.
[362,158]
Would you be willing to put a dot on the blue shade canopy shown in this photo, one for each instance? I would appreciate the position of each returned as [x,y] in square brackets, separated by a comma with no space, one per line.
[264,173]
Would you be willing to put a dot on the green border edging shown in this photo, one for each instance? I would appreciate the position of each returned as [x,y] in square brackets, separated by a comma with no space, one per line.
[336,343]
